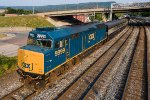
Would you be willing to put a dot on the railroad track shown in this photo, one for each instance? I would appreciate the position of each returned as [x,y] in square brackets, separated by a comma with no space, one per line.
[136,84]
[148,59]
[86,81]
[10,94]
[103,84]
[21,93]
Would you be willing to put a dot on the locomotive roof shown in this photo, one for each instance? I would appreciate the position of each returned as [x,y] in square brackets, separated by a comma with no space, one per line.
[110,24]
[60,32]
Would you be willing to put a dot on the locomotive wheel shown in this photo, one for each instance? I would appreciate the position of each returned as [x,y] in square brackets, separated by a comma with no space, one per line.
[73,61]
[66,67]
[76,60]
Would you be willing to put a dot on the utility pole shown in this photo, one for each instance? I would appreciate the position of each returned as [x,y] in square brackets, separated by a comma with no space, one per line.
[77,4]
[111,12]
[33,10]
[97,5]
[33,7]
[66,5]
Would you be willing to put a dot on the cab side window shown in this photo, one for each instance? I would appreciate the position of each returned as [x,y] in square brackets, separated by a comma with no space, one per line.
[73,36]
[59,44]
[66,42]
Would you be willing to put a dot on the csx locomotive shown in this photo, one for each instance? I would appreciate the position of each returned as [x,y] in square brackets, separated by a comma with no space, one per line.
[51,51]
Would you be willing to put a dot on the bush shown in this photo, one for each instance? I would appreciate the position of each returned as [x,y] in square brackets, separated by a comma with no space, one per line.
[98,17]
[2,14]
[7,64]
[18,11]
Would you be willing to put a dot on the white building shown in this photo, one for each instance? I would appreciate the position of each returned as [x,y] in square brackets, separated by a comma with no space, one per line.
[2,11]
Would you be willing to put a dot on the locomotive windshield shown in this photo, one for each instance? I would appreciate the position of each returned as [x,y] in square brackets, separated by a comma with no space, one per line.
[42,43]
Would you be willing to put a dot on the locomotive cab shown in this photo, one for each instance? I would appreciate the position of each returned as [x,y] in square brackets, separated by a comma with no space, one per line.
[31,56]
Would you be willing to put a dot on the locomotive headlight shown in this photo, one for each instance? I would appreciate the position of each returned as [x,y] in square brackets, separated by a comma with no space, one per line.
[40,71]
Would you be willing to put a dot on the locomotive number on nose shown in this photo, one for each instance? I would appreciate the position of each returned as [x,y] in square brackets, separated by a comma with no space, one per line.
[59,52]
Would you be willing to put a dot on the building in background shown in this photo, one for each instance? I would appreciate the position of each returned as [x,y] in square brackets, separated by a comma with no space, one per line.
[2,11]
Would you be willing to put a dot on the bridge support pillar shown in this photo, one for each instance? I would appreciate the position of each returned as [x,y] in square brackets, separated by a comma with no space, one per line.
[94,15]
[104,18]
[110,18]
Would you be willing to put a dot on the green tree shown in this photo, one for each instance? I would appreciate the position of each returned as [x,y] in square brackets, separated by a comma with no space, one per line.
[98,17]
[10,10]
[17,11]
[119,15]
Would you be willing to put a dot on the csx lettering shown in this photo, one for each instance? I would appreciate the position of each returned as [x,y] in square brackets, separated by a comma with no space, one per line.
[59,52]
[91,36]
[25,65]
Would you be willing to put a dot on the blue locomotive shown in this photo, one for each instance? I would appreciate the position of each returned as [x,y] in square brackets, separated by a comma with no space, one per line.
[51,51]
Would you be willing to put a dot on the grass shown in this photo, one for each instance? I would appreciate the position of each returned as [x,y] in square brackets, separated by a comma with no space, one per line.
[7,64]
[26,21]
[2,35]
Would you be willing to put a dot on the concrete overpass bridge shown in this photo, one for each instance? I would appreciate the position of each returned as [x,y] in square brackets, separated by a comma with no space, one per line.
[132,7]
[115,8]
[74,12]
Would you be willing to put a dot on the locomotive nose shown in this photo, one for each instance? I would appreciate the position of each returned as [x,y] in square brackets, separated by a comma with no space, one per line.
[30,61]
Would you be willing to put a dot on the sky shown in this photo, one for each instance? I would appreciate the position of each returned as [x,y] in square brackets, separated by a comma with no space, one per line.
[56,2]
